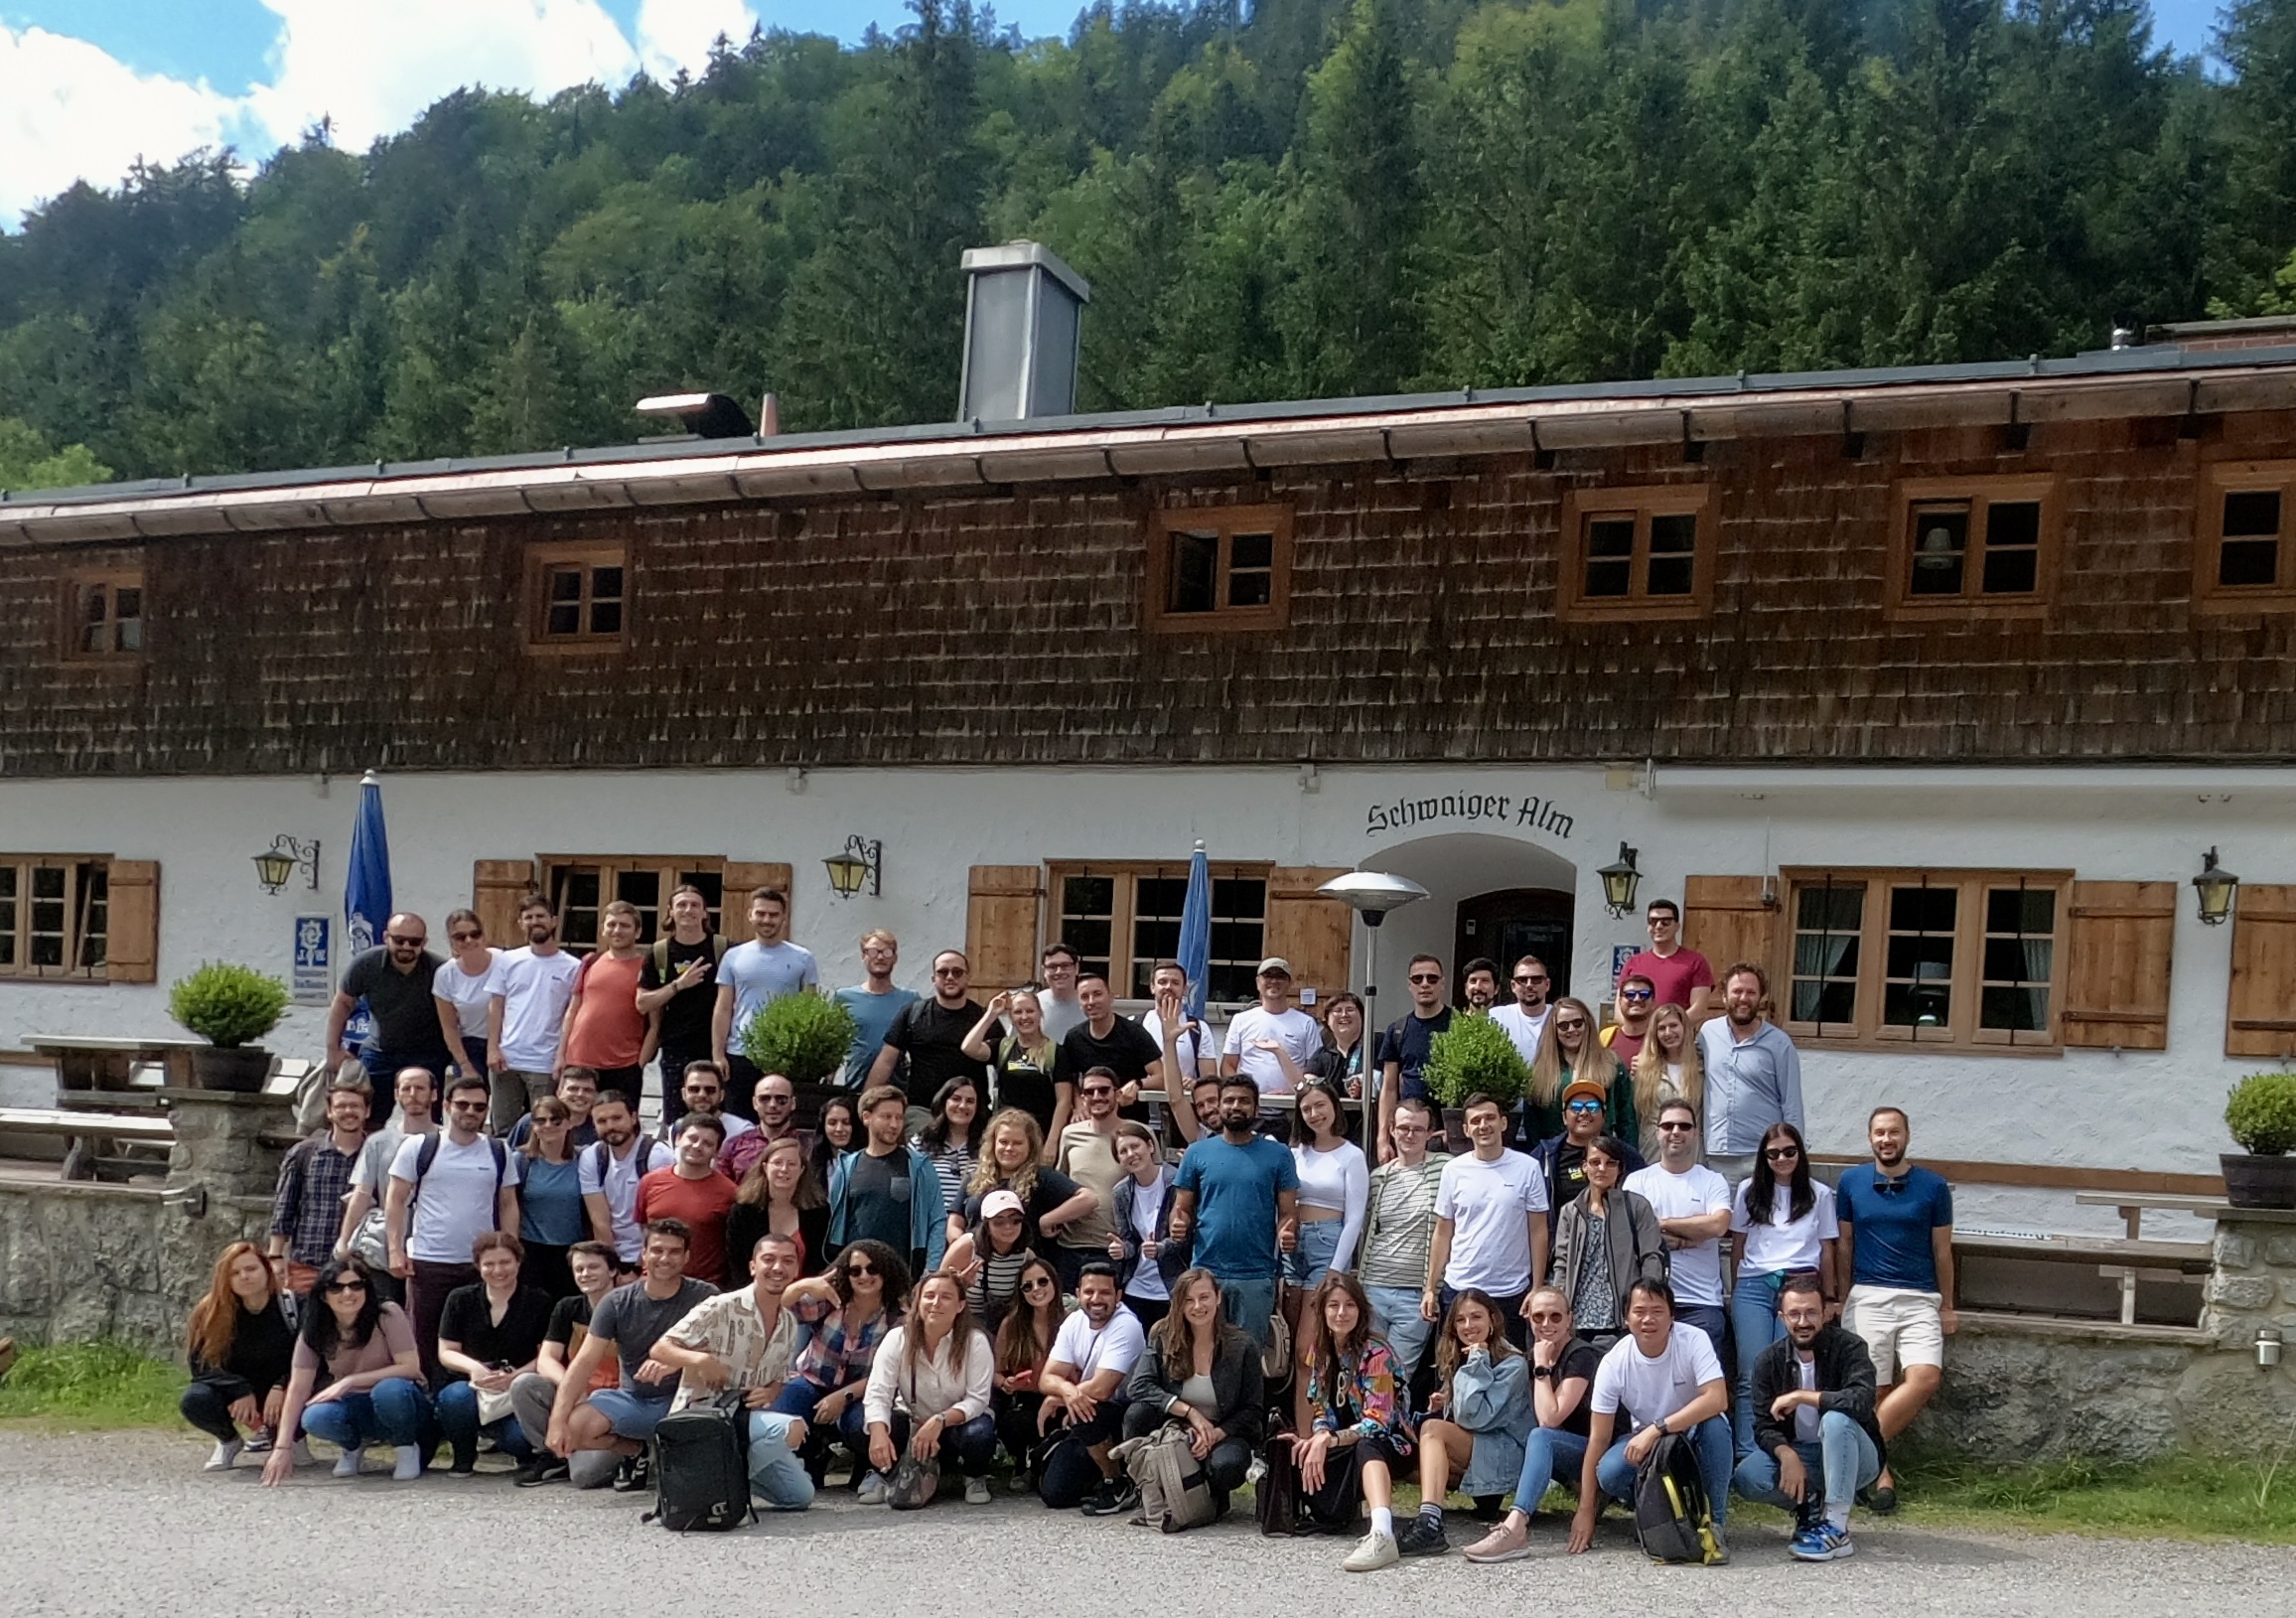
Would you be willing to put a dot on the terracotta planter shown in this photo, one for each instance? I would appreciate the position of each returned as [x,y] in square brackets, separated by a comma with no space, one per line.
[242,1067]
[2259,1182]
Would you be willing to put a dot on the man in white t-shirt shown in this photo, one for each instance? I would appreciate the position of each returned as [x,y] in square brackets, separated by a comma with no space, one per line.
[366,1230]
[1667,1379]
[1490,1224]
[609,1172]
[1083,1386]
[1187,1043]
[446,1191]
[534,985]
[752,976]
[1255,1035]
[1525,1020]
[1063,1011]
[1693,1203]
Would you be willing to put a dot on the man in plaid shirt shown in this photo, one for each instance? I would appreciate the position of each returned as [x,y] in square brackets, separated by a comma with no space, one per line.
[313,1178]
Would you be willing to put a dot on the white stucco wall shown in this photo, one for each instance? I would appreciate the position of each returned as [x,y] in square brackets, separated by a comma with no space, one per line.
[2086,1109]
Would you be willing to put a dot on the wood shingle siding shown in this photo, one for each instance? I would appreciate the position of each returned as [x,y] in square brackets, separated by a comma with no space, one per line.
[1008,626]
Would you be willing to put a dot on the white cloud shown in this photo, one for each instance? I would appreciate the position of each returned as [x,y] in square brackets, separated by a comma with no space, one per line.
[71,111]
[373,67]
[674,33]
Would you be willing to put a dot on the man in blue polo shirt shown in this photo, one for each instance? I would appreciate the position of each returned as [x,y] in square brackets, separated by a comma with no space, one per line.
[1237,1192]
[1897,1235]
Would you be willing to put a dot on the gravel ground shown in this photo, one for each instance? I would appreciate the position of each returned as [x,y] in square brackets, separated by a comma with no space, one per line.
[128,1524]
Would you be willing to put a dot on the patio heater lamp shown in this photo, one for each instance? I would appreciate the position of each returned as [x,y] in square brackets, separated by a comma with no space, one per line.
[1370,895]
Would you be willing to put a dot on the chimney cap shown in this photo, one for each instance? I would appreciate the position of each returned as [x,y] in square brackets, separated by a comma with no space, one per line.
[1015,255]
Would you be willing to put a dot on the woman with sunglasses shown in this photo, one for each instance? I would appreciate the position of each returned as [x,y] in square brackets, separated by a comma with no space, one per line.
[1606,1239]
[241,1351]
[1024,1344]
[551,1213]
[843,1316]
[373,1392]
[1667,1069]
[1562,1373]
[1782,1224]
[463,989]
[1472,1438]
[1571,1051]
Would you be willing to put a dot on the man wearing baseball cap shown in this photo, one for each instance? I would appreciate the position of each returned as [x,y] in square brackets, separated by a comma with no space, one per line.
[1256,1036]
[1563,1159]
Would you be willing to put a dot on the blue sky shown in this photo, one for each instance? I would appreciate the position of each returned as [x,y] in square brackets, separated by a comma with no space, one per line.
[86,86]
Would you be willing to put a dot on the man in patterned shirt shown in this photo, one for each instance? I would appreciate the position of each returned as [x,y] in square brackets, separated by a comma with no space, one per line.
[313,1178]
[744,1339]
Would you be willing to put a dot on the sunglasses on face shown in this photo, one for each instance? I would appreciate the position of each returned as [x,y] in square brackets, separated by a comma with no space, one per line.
[1529,980]
[948,972]
[1043,1283]
[775,1100]
[1548,1317]
[467,1106]
[1099,1090]
[1635,994]
[1570,1027]
[464,937]
[859,1269]
[1585,1107]
[1781,1155]
[349,1285]
[415,942]
[1423,977]
[1677,1127]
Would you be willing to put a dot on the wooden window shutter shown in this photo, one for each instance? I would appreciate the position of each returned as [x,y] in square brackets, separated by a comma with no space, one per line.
[1000,925]
[1729,919]
[132,944]
[1311,931]
[2118,936]
[2257,1020]
[497,886]
[743,877]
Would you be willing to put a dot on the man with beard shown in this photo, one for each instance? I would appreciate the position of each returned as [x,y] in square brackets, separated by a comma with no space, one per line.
[1480,980]
[536,983]
[1525,1020]
[1815,1440]
[1897,1237]
[395,979]
[609,1173]
[1753,1074]
[1236,1193]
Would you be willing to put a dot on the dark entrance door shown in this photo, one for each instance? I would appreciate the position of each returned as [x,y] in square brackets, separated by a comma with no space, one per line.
[1509,924]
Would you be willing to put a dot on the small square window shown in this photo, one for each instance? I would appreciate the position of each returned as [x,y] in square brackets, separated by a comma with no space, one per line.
[2238,558]
[1636,552]
[105,617]
[580,596]
[1220,568]
[1973,546]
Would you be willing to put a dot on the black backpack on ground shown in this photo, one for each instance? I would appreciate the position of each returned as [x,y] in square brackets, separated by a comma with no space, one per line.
[1673,1520]
[701,1466]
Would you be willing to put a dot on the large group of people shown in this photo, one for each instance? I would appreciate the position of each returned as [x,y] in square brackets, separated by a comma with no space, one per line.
[1019,1234]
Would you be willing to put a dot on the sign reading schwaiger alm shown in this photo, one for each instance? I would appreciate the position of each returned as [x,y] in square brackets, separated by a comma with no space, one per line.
[1527,811]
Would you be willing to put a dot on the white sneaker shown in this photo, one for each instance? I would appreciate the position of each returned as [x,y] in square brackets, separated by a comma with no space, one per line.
[1376,1550]
[409,1466]
[348,1466]
[976,1491]
[227,1451]
[873,1489]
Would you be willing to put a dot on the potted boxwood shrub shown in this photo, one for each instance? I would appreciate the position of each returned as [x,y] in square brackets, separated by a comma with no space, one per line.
[228,1006]
[1474,1056]
[806,1038]
[2261,1115]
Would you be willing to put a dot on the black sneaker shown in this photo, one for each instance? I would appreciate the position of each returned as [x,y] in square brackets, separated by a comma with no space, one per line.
[633,1476]
[543,1468]
[1422,1537]
[1113,1499]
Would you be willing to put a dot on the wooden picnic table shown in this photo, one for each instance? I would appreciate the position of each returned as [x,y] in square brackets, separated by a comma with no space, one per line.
[84,1064]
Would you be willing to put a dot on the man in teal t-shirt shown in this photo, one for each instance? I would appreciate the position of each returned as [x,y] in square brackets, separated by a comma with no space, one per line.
[1237,1191]
[874,1003]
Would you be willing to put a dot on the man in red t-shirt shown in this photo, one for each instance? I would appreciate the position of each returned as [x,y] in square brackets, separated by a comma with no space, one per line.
[691,1189]
[1678,976]
[1637,999]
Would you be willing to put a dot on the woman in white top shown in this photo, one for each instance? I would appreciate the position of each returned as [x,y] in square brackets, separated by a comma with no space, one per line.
[1334,1192]
[929,1392]
[1667,1068]
[463,989]
[1782,1224]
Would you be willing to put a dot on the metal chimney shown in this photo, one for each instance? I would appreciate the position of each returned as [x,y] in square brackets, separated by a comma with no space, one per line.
[1023,314]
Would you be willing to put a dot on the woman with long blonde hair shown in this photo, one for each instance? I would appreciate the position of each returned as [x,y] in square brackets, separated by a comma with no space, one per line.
[242,1350]
[1667,1068]
[1570,1047]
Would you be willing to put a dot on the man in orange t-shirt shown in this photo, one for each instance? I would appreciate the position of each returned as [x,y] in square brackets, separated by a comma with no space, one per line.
[691,1189]
[604,1028]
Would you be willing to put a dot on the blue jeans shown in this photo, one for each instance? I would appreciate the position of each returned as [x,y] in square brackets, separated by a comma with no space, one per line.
[1754,1325]
[458,1417]
[1711,1438]
[778,1475]
[968,1450]
[1550,1451]
[1712,1319]
[1396,1316]
[395,1411]
[1319,1244]
[1247,1303]
[1843,1456]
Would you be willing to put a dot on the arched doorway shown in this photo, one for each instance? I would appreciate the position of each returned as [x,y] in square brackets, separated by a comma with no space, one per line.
[1508,889]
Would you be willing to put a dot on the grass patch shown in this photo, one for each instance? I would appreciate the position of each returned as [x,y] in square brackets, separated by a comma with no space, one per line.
[2181,1497]
[92,1387]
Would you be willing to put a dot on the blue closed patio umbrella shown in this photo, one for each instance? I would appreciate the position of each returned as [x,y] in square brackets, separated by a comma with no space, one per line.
[1196,930]
[365,895]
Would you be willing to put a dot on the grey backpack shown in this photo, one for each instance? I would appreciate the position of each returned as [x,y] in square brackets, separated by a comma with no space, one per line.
[1175,1493]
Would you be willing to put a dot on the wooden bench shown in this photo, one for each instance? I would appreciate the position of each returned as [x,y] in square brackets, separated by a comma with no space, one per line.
[2123,1260]
[86,1135]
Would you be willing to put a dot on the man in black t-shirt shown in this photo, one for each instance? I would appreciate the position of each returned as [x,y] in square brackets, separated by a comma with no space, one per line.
[931,1035]
[678,980]
[603,1433]
[1404,1048]
[395,979]
[1106,1040]
[532,1393]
